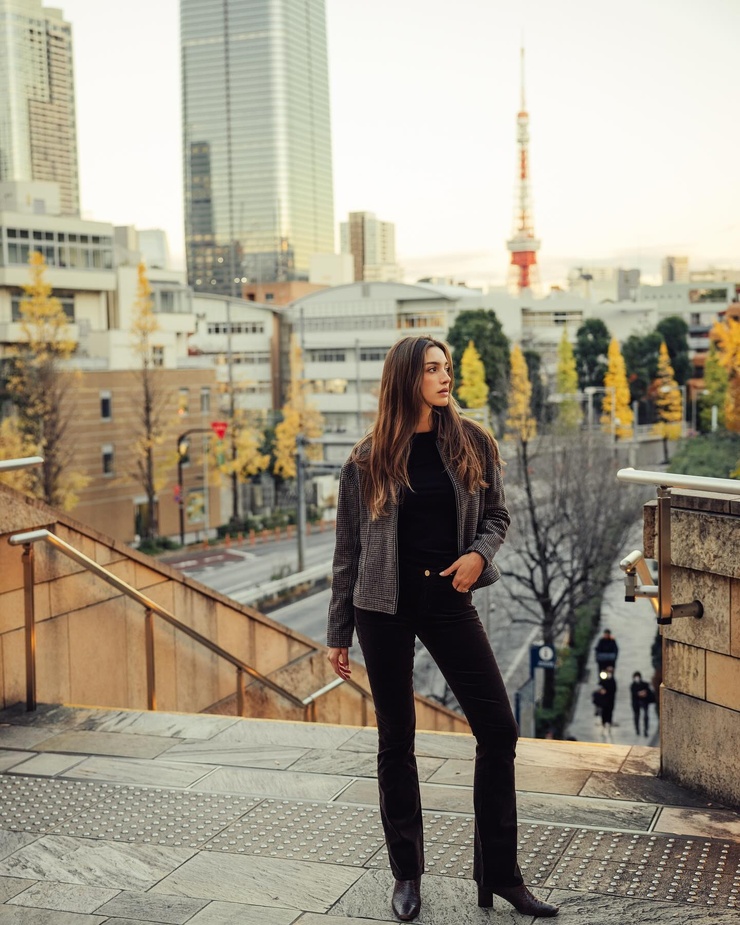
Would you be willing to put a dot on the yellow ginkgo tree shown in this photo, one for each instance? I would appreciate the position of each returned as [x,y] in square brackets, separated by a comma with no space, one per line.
[726,335]
[570,413]
[616,416]
[668,400]
[520,423]
[299,417]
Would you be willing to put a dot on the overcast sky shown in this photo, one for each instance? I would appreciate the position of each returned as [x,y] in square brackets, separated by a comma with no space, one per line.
[635,135]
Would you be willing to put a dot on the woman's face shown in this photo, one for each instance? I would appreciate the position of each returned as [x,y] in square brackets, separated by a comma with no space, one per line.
[435,385]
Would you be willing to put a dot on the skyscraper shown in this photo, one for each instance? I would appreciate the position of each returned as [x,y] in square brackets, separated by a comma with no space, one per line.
[256,140]
[38,131]
[372,244]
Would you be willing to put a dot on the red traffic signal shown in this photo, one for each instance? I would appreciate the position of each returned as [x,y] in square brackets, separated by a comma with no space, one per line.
[219,428]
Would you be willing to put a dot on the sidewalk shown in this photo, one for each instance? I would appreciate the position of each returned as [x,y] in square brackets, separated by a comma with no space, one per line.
[634,628]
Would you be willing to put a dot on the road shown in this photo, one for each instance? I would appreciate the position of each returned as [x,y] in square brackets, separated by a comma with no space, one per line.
[234,570]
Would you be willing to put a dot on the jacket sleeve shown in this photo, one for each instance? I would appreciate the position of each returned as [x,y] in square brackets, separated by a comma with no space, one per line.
[494,519]
[346,558]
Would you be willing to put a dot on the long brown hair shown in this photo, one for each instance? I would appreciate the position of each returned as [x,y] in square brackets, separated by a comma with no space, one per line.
[383,455]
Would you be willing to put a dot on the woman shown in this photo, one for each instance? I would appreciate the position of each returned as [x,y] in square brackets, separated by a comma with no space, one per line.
[421,514]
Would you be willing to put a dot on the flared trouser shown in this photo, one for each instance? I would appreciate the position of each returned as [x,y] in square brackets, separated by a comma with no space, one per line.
[448,625]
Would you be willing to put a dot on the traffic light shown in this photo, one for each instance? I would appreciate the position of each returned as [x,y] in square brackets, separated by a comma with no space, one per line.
[183,448]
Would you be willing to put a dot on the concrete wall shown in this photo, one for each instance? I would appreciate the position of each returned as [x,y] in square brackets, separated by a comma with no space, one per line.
[700,696]
[91,644]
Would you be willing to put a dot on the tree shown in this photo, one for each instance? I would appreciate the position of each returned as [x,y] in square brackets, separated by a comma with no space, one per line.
[715,390]
[520,424]
[153,407]
[538,403]
[472,390]
[640,354]
[570,520]
[674,332]
[726,334]
[616,416]
[248,458]
[14,444]
[592,344]
[668,400]
[569,412]
[39,385]
[484,329]
[299,416]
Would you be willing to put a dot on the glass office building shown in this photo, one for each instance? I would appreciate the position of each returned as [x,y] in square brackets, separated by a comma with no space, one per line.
[256,140]
[38,130]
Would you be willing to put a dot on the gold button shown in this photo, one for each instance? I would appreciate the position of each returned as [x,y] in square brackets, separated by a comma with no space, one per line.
[427,572]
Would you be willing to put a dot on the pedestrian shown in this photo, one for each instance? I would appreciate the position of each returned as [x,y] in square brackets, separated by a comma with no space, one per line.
[421,514]
[642,696]
[606,651]
[608,692]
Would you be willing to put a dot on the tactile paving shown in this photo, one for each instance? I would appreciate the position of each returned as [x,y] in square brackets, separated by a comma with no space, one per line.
[305,831]
[37,804]
[540,847]
[158,816]
[690,870]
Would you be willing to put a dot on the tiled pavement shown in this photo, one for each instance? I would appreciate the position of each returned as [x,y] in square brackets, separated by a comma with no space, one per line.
[132,818]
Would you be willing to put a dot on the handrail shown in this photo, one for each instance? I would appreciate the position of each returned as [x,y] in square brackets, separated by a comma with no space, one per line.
[10,465]
[674,480]
[32,536]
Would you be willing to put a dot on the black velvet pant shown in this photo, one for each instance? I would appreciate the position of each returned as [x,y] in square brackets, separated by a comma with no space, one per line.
[448,625]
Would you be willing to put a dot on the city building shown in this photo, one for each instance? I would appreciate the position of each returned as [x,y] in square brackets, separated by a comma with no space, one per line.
[675,270]
[604,284]
[38,132]
[256,141]
[372,244]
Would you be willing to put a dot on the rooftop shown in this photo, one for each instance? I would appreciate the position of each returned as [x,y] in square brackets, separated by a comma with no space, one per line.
[110,816]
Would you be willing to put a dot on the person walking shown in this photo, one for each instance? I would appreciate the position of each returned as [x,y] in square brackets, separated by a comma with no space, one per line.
[606,651]
[421,514]
[608,692]
[642,696]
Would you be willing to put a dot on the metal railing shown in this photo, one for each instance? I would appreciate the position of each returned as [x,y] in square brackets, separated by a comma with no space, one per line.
[10,465]
[634,565]
[152,609]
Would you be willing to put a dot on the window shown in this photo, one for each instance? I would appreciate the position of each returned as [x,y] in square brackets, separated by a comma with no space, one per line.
[107,458]
[106,399]
[157,356]
[183,401]
[205,399]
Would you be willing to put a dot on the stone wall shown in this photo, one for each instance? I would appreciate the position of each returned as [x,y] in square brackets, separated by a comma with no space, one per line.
[700,696]
[91,642]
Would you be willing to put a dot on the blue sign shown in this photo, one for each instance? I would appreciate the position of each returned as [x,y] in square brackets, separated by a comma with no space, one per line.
[541,657]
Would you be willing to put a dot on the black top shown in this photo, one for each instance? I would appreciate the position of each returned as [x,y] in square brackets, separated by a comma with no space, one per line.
[427,515]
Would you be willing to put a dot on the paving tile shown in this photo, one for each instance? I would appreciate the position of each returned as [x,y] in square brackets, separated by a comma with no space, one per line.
[172,910]
[34,804]
[355,764]
[642,759]
[11,842]
[10,886]
[50,717]
[63,897]
[220,913]
[161,772]
[639,787]
[237,755]
[47,765]
[550,780]
[579,908]
[717,823]
[433,796]
[310,918]
[260,881]
[107,743]
[428,744]
[170,725]
[18,915]
[94,862]
[153,815]
[291,784]
[23,736]
[295,735]
[9,758]
[579,755]
[588,811]
[445,901]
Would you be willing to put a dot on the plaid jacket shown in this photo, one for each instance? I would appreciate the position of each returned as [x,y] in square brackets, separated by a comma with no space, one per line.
[365,568]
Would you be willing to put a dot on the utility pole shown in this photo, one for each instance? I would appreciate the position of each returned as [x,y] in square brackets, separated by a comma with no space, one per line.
[300,468]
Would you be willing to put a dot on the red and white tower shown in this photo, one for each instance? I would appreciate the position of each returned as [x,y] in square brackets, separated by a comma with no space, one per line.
[523,245]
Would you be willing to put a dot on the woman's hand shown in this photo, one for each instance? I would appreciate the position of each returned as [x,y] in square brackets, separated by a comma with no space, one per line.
[467,571]
[339,659]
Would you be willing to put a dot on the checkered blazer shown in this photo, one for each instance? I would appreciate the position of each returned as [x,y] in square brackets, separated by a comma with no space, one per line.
[365,568]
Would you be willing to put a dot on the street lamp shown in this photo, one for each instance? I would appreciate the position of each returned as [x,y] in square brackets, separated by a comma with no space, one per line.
[183,450]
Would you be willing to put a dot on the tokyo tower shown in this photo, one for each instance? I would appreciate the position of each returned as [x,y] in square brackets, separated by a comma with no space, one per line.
[523,245]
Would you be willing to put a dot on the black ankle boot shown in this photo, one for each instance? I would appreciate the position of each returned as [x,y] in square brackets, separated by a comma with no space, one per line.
[519,897]
[406,900]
